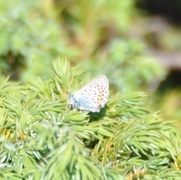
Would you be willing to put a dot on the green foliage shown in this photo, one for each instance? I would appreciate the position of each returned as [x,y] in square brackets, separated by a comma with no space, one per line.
[30,38]
[88,31]
[169,102]
[128,68]
[91,25]
[42,138]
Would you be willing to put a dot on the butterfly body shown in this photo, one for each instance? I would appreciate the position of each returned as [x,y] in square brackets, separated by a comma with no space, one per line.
[93,96]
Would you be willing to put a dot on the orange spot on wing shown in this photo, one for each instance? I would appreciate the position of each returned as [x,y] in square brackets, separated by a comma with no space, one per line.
[100,98]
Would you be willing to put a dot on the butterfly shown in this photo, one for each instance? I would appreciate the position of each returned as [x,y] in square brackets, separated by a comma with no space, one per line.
[92,97]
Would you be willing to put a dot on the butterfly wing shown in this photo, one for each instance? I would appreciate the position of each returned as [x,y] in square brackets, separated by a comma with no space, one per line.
[93,96]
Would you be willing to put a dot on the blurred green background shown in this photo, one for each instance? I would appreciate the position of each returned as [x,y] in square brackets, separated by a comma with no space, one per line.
[135,47]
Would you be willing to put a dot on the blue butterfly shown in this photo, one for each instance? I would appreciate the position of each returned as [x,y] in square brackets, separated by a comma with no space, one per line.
[93,96]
